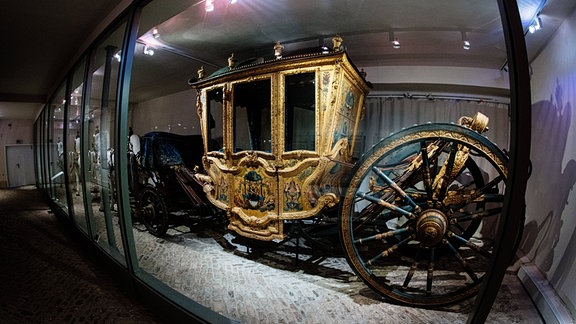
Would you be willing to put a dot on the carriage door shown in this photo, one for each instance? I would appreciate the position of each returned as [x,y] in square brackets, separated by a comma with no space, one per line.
[299,155]
[255,184]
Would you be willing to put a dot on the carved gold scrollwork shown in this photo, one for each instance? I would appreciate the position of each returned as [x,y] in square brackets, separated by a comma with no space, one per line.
[477,123]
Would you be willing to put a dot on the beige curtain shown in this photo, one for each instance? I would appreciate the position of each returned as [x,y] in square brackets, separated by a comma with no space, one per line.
[384,115]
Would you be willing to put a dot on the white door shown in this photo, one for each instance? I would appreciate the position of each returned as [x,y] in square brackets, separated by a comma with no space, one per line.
[20,165]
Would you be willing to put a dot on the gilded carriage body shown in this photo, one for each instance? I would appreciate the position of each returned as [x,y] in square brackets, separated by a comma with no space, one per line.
[279,137]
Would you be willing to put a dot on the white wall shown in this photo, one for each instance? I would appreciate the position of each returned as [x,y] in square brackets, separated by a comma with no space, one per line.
[439,75]
[175,113]
[550,232]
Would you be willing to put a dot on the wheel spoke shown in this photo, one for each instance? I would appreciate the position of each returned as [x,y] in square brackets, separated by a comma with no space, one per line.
[441,184]
[426,175]
[413,269]
[396,188]
[485,189]
[478,215]
[381,236]
[430,273]
[463,262]
[389,250]
[470,244]
[386,204]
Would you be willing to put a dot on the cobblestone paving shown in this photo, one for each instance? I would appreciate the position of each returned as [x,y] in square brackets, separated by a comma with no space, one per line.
[270,286]
[45,278]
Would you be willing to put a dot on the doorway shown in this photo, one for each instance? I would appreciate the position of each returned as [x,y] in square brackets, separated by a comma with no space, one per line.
[19,165]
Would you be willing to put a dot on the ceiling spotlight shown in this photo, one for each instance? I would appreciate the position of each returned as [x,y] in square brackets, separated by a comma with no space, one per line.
[155,32]
[393,40]
[465,41]
[209,6]
[117,56]
[148,50]
[536,25]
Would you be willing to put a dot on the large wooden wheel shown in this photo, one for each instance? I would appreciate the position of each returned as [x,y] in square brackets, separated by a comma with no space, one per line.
[419,218]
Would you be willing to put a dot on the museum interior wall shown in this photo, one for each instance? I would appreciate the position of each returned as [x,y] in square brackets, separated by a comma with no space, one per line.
[550,231]
[178,117]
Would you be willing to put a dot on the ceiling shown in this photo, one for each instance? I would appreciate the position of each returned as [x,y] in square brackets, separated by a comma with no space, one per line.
[41,38]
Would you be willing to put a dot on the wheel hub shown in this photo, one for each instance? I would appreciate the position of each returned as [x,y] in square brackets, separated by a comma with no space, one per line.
[431,227]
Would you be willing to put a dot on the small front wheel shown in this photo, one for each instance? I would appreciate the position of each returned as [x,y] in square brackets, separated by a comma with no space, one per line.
[153,212]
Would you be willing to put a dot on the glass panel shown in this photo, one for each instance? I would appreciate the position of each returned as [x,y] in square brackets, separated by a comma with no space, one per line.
[252,123]
[99,119]
[175,40]
[56,150]
[215,122]
[300,109]
[74,119]
[45,149]
[38,150]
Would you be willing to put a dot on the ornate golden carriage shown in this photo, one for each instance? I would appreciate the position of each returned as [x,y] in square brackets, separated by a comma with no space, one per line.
[279,137]
[415,211]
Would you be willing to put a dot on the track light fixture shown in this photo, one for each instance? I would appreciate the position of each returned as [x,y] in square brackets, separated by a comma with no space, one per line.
[155,32]
[536,25]
[393,40]
[465,41]
[209,5]
[148,50]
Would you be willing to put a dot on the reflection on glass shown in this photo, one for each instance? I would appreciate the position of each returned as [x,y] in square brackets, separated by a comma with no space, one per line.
[56,150]
[300,107]
[252,124]
[74,119]
[187,38]
[99,119]
[215,127]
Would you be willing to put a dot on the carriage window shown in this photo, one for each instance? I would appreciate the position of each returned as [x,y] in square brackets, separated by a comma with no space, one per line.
[252,124]
[215,129]
[300,108]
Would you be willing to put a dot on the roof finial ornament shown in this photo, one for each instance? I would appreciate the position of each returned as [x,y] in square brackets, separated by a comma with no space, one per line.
[201,73]
[231,61]
[337,43]
[278,50]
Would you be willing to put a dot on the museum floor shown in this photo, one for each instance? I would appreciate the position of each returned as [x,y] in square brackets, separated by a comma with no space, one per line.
[46,277]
